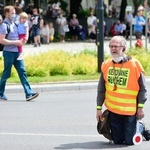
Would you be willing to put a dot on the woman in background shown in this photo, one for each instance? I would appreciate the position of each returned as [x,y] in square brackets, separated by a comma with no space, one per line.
[74,23]
[44,32]
[61,22]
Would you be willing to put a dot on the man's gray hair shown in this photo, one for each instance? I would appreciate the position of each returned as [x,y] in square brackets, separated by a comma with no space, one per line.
[120,39]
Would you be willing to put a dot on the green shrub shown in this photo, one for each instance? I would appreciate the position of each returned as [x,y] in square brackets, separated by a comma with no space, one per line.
[84,64]
[60,68]
[143,56]
[36,66]
[38,72]
[58,62]
[83,13]
[90,52]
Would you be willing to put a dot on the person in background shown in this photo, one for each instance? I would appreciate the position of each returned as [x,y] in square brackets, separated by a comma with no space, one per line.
[122,88]
[44,32]
[139,23]
[16,3]
[118,28]
[10,54]
[18,11]
[23,31]
[49,11]
[128,17]
[82,33]
[92,35]
[74,23]
[127,31]
[51,32]
[105,28]
[128,21]
[114,12]
[37,23]
[124,27]
[29,9]
[112,29]
[30,38]
[21,4]
[56,9]
[90,20]
[61,22]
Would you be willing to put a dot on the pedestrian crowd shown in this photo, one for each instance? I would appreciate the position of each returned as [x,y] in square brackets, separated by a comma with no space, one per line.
[64,25]
[42,31]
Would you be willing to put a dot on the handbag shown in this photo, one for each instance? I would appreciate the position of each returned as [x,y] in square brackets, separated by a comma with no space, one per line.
[66,28]
[103,126]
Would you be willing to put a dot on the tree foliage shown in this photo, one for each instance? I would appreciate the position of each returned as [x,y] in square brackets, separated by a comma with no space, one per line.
[136,4]
[36,4]
[75,6]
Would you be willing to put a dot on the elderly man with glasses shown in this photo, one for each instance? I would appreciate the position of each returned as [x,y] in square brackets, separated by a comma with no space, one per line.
[123,91]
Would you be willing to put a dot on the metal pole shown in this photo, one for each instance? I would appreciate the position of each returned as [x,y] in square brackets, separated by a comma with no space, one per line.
[146,27]
[100,33]
[131,34]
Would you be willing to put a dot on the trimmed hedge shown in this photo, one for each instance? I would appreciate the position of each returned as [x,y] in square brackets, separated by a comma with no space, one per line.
[59,62]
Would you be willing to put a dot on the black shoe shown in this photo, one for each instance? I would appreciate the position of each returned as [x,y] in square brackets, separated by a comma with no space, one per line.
[32,96]
[146,132]
[35,45]
[39,44]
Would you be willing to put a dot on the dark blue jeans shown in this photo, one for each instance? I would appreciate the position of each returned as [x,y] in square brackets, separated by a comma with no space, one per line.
[123,128]
[10,58]
[35,31]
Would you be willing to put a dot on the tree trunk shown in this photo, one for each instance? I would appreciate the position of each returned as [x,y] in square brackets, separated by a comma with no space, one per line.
[74,6]
[123,8]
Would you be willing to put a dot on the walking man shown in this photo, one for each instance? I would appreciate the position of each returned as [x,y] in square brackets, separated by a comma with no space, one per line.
[11,53]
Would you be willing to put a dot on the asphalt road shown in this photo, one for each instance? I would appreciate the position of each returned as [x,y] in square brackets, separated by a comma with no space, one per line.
[62,120]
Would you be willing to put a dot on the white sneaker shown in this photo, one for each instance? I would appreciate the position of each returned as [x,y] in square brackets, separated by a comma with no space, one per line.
[20,57]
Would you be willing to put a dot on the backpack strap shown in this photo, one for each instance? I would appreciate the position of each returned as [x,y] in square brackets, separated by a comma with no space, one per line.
[8,31]
[8,28]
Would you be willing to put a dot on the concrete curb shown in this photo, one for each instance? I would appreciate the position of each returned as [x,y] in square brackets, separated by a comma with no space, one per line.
[54,87]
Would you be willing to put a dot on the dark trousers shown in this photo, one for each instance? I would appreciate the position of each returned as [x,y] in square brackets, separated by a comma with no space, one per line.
[138,35]
[123,128]
[10,59]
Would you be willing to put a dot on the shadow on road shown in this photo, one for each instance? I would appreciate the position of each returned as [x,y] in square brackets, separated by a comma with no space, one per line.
[89,145]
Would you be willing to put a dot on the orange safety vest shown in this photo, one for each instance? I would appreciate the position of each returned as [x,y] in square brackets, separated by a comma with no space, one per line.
[122,101]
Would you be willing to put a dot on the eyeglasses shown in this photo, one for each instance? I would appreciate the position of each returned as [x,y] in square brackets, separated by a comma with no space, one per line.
[114,46]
